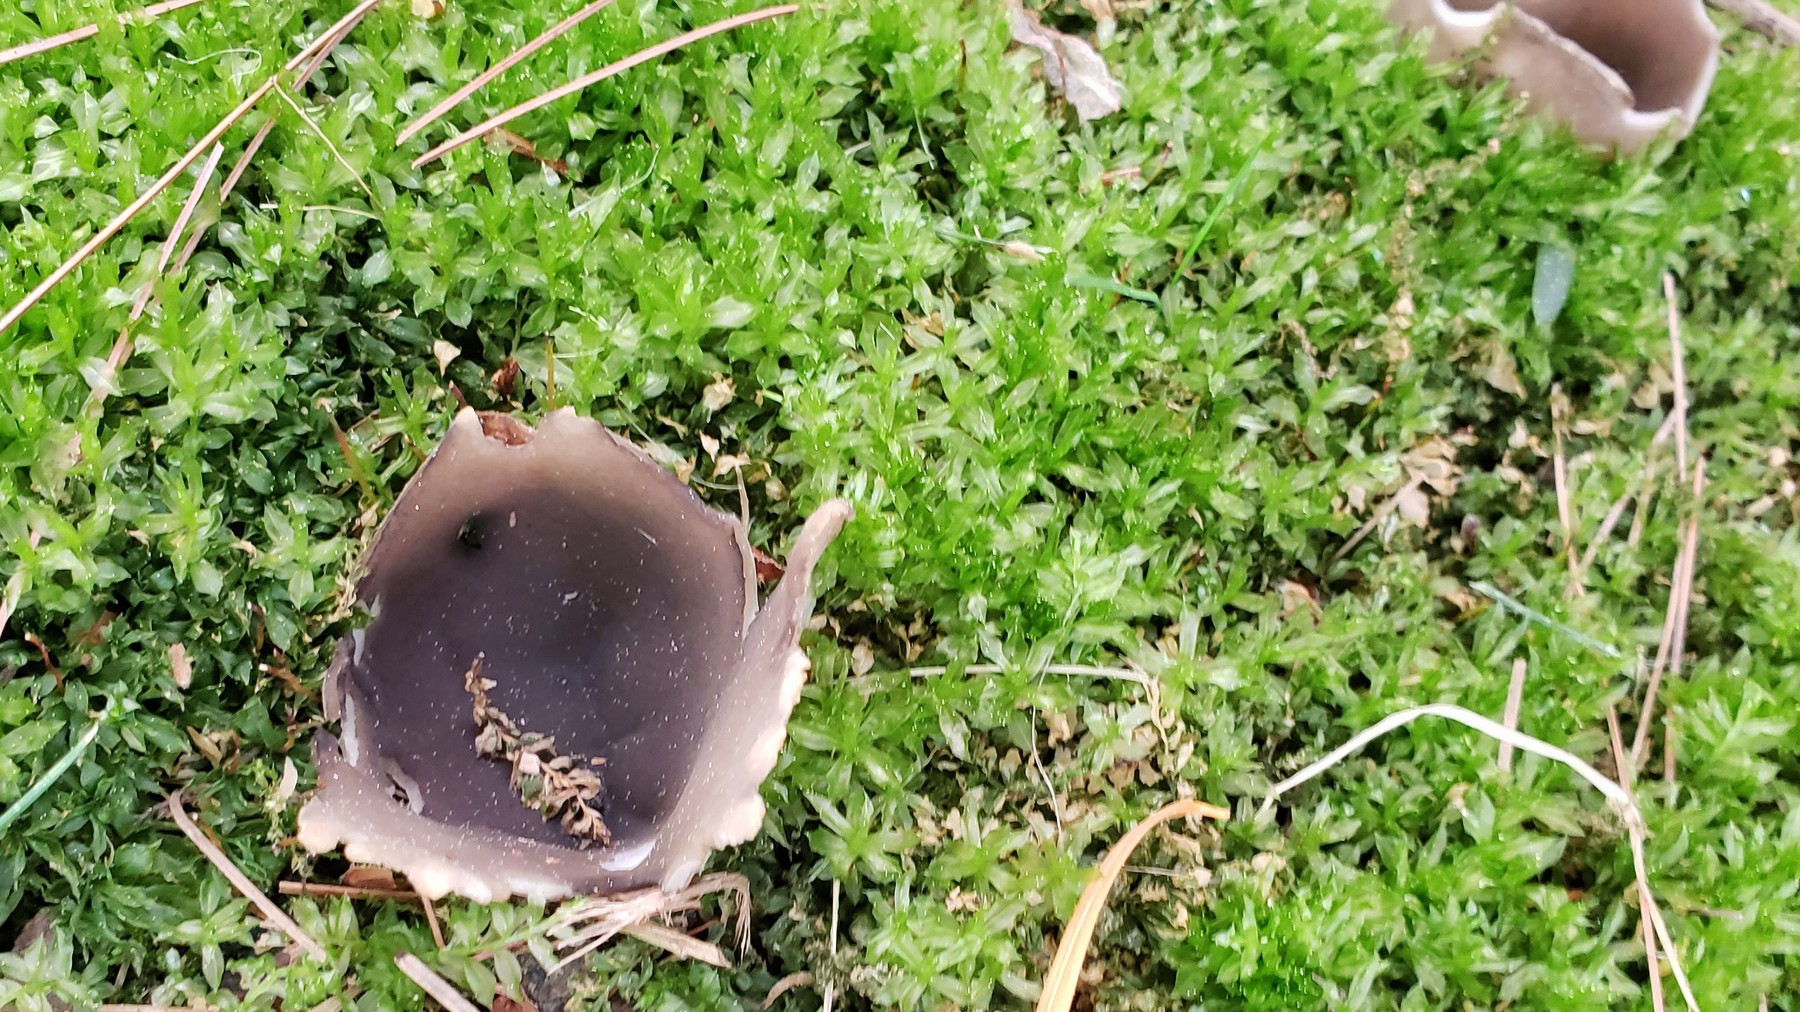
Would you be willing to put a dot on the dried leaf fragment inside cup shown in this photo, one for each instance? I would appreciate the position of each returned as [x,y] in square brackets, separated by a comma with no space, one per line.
[557,786]
[566,685]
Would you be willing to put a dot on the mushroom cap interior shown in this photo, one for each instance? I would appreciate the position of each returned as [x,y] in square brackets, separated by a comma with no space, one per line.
[607,604]
[613,611]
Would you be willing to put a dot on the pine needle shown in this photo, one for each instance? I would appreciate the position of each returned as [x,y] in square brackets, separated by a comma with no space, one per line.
[481,80]
[437,987]
[241,882]
[590,79]
[318,48]
[44,45]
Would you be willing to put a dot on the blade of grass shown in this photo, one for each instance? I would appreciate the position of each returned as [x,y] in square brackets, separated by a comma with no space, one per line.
[481,80]
[55,772]
[1089,281]
[589,79]
[1231,191]
[1517,607]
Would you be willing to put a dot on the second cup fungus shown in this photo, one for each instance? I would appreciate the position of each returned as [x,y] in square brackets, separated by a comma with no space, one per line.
[1619,72]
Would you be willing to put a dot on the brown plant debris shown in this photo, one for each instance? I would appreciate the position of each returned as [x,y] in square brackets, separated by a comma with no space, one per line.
[556,786]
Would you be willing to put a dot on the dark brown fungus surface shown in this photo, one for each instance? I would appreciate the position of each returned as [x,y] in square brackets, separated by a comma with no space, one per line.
[614,613]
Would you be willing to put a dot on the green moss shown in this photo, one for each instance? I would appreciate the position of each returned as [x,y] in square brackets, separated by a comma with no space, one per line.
[1084,456]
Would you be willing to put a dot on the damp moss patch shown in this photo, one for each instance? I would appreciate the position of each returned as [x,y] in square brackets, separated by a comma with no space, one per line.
[1106,397]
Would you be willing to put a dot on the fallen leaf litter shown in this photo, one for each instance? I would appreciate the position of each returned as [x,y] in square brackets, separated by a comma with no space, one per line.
[554,785]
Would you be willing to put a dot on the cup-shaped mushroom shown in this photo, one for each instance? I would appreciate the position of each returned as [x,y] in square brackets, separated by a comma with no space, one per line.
[566,685]
[1620,73]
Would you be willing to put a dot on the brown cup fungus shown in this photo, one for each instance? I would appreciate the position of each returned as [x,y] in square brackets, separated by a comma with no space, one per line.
[566,686]
[1620,73]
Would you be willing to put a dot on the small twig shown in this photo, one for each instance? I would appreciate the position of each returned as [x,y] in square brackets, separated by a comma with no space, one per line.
[55,772]
[240,881]
[431,918]
[1764,19]
[1515,692]
[594,77]
[437,987]
[456,98]
[1674,634]
[50,42]
[288,887]
[1517,607]
[312,125]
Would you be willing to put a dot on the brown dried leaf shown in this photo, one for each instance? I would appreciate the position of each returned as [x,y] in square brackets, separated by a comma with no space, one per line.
[362,876]
[180,668]
[1071,66]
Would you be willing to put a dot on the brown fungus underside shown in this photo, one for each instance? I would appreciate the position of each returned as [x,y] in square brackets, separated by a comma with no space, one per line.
[606,620]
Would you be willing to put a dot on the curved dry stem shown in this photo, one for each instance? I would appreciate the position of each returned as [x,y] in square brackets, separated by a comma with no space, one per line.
[1065,968]
[1620,798]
